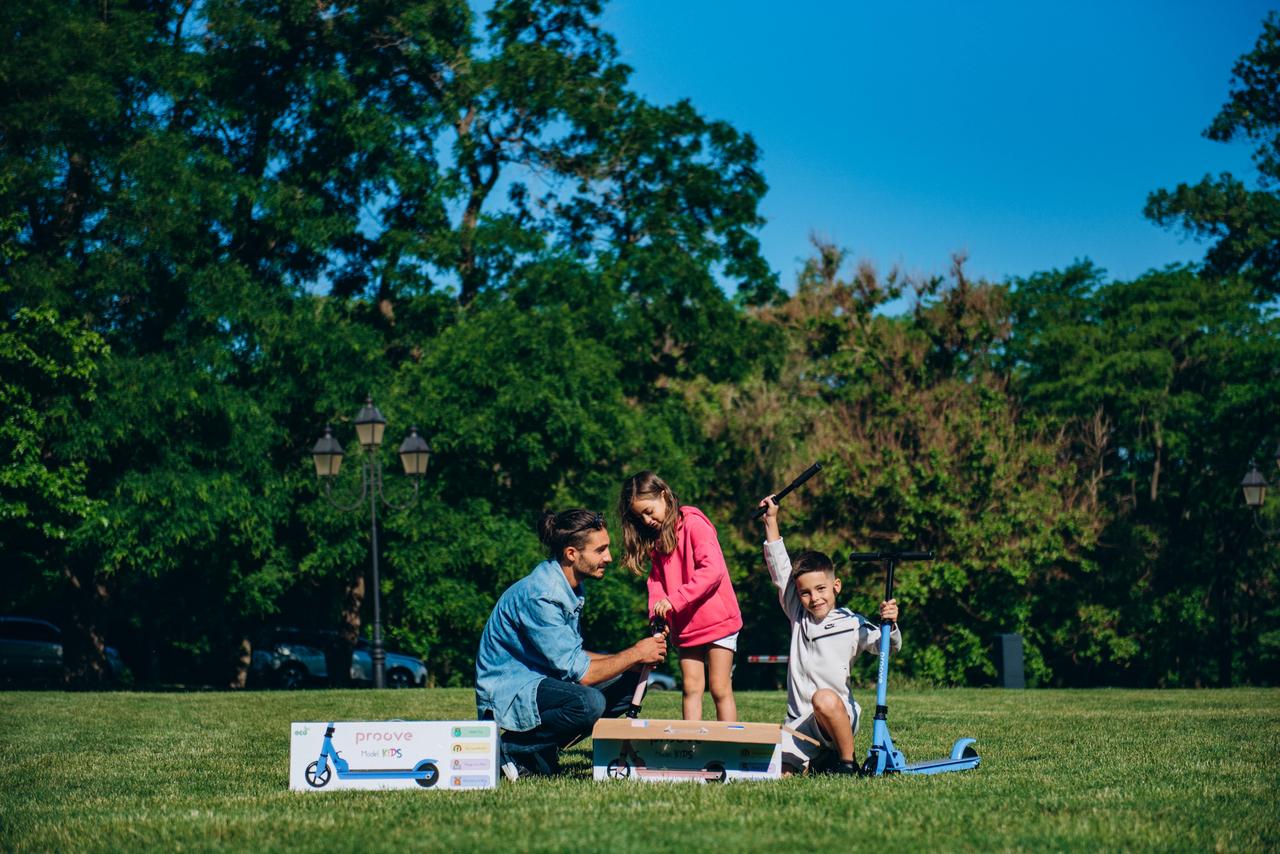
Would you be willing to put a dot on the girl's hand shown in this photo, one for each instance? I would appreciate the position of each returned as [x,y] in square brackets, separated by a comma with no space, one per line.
[662,608]
[889,611]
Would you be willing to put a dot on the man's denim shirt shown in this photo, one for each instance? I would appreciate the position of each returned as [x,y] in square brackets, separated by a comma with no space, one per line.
[531,635]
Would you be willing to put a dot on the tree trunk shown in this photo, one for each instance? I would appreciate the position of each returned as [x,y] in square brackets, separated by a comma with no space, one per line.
[240,663]
[338,657]
[1155,468]
[84,652]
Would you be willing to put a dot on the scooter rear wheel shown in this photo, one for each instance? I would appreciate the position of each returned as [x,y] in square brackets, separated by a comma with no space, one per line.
[317,781]
[428,774]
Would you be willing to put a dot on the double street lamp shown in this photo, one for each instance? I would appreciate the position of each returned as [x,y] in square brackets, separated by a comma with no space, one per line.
[1254,487]
[327,455]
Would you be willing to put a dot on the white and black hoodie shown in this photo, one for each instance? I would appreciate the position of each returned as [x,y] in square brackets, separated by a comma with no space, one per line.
[821,650]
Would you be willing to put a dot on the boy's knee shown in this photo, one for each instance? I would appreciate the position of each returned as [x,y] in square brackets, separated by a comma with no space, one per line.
[827,702]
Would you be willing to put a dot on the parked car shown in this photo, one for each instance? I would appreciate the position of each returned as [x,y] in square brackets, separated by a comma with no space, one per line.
[661,681]
[31,653]
[295,658]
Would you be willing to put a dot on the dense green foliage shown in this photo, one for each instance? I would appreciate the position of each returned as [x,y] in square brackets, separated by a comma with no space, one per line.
[1243,223]
[224,223]
[1061,770]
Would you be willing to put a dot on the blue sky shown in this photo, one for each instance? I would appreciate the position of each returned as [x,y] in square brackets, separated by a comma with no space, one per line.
[1025,134]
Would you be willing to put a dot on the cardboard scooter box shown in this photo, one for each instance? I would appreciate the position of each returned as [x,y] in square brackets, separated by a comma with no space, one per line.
[655,750]
[418,755]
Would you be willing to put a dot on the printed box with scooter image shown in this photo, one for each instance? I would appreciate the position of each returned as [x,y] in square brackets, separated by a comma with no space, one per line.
[393,755]
[656,750]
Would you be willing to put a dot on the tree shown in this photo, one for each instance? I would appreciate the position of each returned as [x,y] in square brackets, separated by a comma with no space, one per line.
[1244,224]
[50,373]
[184,179]
[1160,386]
[923,447]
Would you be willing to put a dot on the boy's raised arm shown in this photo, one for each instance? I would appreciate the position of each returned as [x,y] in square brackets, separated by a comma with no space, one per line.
[771,531]
[775,553]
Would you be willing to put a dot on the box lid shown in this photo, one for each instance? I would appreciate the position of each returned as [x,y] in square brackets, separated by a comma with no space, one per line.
[656,729]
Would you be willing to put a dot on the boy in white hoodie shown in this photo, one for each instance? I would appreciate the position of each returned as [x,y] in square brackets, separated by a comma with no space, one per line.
[824,640]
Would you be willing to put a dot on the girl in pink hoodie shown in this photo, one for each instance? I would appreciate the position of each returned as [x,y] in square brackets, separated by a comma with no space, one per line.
[689,587]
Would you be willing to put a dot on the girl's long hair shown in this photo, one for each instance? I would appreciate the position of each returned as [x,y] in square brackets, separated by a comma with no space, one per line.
[638,539]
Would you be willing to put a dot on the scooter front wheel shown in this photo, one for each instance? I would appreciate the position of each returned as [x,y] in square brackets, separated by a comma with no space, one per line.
[317,781]
[427,773]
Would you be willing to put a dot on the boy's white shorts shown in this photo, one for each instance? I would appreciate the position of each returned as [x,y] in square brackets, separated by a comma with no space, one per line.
[800,752]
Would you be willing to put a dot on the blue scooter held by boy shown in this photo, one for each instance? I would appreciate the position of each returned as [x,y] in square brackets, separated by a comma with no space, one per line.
[425,772]
[883,757]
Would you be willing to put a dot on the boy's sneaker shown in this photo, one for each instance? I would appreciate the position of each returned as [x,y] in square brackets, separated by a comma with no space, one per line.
[840,768]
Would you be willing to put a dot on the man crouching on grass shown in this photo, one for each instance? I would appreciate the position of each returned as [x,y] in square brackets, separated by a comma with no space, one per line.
[824,640]
[532,675]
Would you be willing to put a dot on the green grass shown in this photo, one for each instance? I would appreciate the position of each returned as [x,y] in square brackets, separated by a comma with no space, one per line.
[1194,770]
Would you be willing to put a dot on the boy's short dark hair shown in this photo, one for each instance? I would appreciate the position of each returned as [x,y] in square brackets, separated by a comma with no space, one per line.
[812,562]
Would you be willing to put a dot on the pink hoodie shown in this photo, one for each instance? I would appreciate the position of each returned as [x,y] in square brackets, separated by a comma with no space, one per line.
[696,580]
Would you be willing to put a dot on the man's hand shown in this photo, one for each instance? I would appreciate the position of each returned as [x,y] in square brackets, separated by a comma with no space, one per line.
[889,611]
[663,608]
[652,650]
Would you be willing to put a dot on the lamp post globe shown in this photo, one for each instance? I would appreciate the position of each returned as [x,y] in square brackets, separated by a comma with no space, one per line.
[1254,487]
[327,454]
[414,453]
[370,424]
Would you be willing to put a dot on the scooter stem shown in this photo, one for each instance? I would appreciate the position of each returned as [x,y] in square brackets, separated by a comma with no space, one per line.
[657,627]
[882,677]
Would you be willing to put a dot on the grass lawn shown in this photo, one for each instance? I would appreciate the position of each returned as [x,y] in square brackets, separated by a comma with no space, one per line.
[1194,770]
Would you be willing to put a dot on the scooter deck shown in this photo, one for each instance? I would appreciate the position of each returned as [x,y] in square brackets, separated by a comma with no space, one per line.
[938,766]
[678,774]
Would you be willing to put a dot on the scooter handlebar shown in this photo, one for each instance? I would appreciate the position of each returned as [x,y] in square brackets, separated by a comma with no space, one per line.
[789,488]
[869,557]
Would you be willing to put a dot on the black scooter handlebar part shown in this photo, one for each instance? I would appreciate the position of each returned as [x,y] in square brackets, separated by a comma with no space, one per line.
[789,488]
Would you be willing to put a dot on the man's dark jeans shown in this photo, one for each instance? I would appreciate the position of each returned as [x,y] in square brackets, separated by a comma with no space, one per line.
[568,711]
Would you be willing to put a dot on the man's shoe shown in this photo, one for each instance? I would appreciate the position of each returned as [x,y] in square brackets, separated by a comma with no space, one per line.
[840,768]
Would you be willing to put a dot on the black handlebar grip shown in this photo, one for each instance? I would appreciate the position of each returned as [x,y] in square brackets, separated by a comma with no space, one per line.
[867,557]
[787,490]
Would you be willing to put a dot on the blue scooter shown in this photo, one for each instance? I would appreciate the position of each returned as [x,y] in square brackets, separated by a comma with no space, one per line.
[425,773]
[883,758]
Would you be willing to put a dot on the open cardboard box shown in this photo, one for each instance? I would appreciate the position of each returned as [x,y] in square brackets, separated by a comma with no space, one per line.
[653,750]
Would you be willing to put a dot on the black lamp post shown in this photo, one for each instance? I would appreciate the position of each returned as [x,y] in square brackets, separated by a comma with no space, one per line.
[327,455]
[1254,487]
